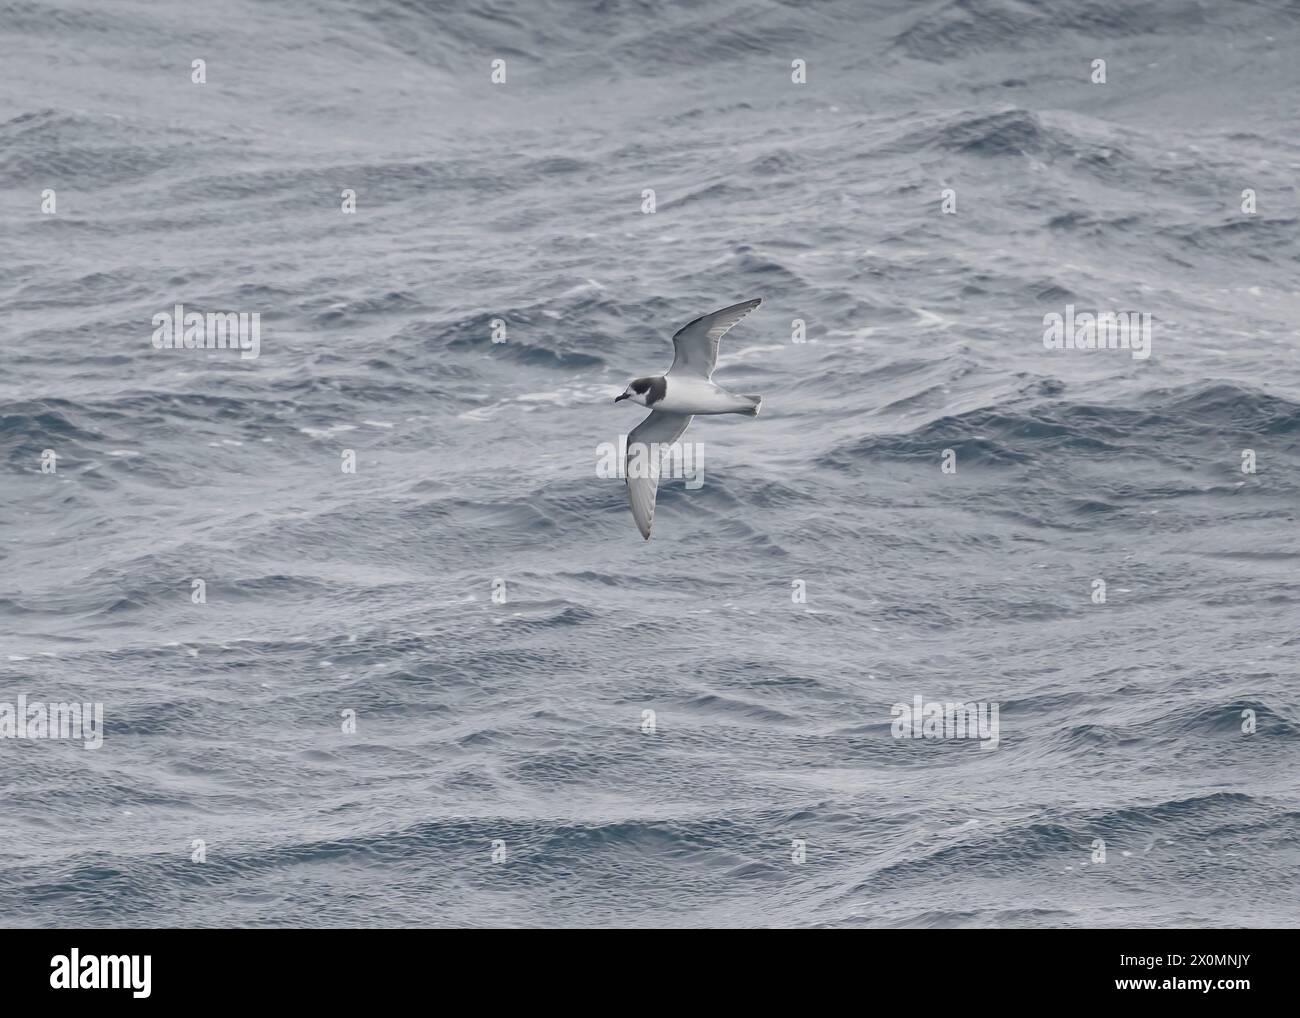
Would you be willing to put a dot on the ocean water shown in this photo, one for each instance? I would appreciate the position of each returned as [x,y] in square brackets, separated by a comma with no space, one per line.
[827,569]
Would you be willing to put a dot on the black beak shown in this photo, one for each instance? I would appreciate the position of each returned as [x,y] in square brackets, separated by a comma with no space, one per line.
[624,396]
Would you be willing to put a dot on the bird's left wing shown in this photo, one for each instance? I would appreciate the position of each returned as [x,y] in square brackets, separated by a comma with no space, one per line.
[695,347]
[645,444]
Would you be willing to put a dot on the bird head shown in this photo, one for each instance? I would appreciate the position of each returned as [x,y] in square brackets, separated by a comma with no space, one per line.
[636,391]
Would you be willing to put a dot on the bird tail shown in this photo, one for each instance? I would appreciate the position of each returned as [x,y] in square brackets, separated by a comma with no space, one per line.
[751,411]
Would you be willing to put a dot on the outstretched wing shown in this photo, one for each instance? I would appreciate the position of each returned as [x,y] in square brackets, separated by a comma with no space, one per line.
[695,347]
[649,439]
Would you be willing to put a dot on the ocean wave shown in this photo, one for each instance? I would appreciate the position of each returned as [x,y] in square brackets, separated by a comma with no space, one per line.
[1006,435]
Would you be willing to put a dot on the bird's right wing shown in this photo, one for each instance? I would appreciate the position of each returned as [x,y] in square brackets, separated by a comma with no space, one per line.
[645,444]
[695,346]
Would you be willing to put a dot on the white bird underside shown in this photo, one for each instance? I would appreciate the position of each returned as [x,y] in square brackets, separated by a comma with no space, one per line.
[689,391]
[656,432]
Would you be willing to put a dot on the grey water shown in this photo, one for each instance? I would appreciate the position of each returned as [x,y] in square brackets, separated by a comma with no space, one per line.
[452,686]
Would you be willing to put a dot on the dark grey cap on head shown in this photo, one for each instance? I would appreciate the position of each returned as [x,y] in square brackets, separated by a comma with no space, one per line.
[657,387]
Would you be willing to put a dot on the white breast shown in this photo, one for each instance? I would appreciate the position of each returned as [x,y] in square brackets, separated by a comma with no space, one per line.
[690,395]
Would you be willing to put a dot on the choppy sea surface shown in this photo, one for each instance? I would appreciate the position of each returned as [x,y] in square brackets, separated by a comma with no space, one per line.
[1164,722]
